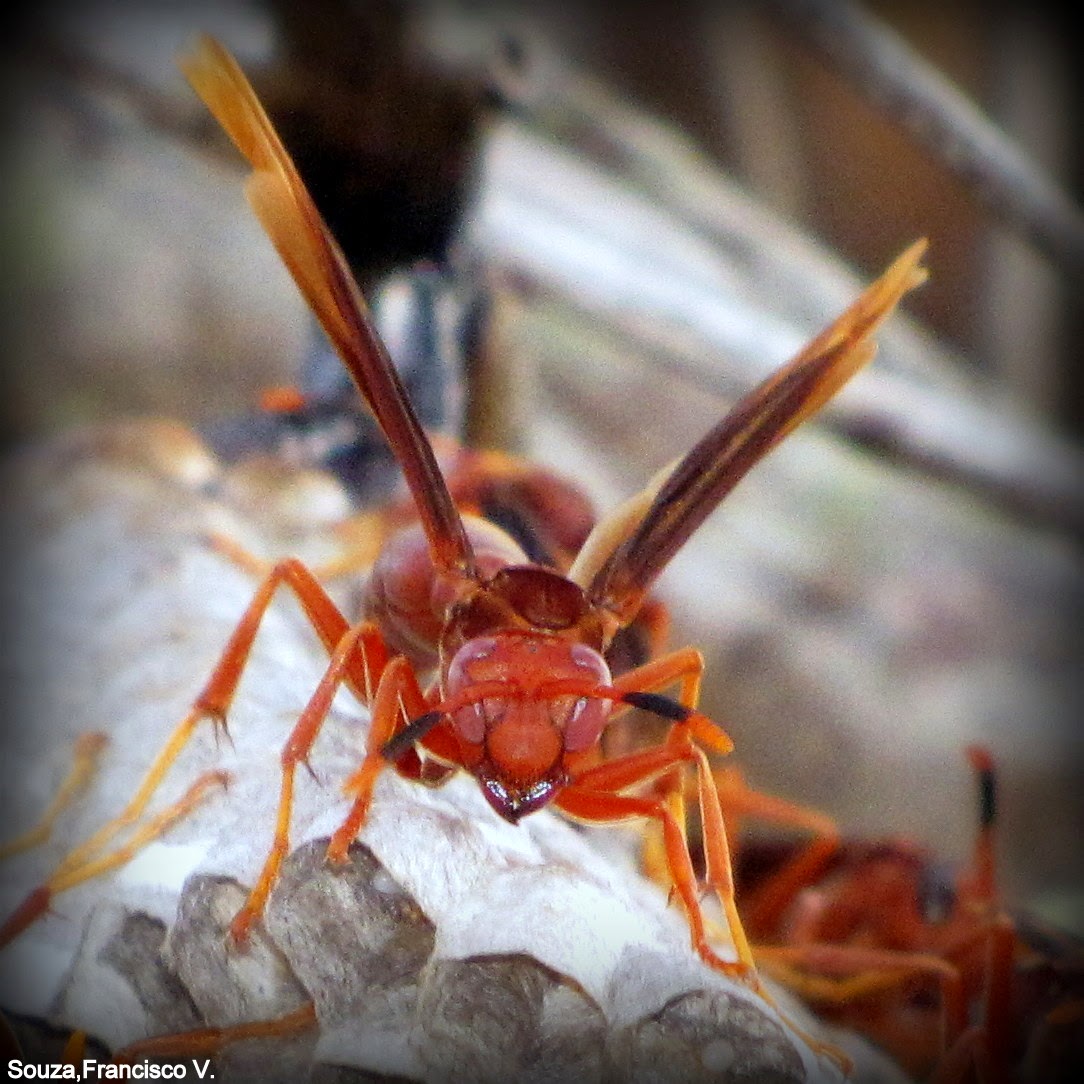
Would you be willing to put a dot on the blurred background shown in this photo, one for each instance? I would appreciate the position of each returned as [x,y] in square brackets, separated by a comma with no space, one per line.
[641,212]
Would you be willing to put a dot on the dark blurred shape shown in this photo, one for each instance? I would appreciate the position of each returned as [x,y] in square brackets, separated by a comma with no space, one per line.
[430,321]
[383,141]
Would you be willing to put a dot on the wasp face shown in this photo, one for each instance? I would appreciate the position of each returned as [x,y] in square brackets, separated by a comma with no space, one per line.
[536,701]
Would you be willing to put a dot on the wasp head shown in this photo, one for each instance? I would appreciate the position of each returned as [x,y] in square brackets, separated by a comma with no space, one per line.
[518,703]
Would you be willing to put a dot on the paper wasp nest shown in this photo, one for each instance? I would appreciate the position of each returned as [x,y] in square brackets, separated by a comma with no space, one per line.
[453,945]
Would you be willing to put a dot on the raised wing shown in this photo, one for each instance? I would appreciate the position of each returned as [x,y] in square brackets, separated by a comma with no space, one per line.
[626,552]
[286,210]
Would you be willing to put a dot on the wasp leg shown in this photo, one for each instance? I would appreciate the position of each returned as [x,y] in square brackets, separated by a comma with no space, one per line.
[212,703]
[593,796]
[764,907]
[359,652]
[210,1041]
[214,700]
[364,533]
[684,667]
[840,974]
[398,698]
[88,748]
[69,874]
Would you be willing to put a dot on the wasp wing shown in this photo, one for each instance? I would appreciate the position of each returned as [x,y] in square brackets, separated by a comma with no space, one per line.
[290,217]
[628,550]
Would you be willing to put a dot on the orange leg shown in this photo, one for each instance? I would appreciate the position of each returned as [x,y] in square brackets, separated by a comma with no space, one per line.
[838,974]
[214,700]
[764,908]
[362,670]
[686,667]
[88,747]
[364,534]
[398,697]
[324,616]
[209,1041]
[71,873]
[593,796]
[355,649]
[358,663]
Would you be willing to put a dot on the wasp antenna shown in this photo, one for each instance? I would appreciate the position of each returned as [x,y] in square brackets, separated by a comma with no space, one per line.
[699,481]
[657,704]
[414,731]
[982,763]
[983,880]
[290,217]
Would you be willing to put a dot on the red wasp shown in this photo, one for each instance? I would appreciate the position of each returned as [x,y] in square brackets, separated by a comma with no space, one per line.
[879,941]
[470,656]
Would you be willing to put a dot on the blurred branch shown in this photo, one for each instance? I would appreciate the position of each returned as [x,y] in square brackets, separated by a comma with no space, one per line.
[943,120]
